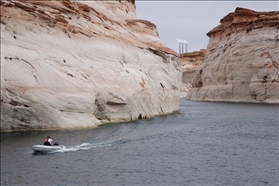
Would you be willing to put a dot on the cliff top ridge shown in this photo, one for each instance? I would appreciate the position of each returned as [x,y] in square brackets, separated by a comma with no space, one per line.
[108,19]
[245,19]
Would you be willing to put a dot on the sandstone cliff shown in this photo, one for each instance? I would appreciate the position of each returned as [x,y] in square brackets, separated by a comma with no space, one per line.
[72,64]
[190,62]
[241,63]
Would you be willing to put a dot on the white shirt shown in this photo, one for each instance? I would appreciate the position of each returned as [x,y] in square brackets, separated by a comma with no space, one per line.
[50,140]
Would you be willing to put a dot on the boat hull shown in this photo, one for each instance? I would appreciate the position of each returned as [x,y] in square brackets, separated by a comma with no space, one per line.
[46,148]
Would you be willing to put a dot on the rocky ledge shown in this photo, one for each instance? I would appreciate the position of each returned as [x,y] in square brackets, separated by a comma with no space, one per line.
[68,64]
[241,62]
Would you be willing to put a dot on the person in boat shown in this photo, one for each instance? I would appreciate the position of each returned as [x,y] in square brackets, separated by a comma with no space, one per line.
[48,141]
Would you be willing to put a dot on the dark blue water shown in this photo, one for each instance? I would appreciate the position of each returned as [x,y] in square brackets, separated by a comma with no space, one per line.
[202,144]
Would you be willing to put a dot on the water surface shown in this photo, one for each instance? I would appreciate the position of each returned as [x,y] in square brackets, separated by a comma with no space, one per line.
[204,143]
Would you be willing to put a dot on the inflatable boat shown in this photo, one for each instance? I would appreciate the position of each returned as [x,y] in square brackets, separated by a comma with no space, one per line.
[46,148]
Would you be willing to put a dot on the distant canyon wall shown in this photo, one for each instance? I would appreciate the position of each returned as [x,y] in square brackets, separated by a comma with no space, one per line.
[68,64]
[190,62]
[241,62]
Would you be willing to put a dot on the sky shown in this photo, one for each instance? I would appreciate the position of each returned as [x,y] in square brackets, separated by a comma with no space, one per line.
[191,20]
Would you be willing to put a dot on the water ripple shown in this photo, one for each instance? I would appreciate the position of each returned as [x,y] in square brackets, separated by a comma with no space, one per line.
[202,144]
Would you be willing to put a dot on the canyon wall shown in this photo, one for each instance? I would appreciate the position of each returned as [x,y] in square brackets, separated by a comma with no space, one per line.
[190,62]
[67,64]
[241,62]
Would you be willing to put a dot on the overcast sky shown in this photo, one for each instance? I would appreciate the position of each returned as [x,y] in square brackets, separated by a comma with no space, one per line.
[191,20]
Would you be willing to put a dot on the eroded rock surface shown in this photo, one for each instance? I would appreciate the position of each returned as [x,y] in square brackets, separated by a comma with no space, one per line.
[190,62]
[241,62]
[67,64]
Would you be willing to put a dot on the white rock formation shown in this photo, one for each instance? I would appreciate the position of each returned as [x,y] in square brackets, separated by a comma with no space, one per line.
[190,62]
[189,71]
[67,64]
[241,62]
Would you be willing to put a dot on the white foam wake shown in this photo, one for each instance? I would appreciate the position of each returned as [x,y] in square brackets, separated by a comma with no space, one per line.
[83,146]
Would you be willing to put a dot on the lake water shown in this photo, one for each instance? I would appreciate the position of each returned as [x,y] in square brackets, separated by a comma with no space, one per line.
[204,143]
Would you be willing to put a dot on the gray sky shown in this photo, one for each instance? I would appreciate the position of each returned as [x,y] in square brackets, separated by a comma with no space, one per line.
[191,20]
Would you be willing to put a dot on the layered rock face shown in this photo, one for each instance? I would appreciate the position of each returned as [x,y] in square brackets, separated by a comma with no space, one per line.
[190,62]
[241,63]
[69,64]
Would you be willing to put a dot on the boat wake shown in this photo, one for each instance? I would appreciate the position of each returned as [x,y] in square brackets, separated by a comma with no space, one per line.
[83,146]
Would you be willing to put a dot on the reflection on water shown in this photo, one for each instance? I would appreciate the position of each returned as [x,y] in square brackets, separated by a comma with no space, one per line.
[201,144]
